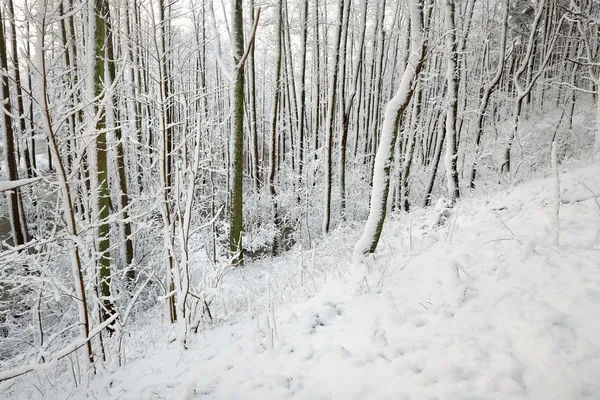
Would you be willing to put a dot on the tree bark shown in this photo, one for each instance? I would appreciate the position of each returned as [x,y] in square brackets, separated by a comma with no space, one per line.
[452,96]
[103,192]
[236,165]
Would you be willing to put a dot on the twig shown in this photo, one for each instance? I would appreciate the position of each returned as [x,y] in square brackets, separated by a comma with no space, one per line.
[495,240]
[594,195]
[506,226]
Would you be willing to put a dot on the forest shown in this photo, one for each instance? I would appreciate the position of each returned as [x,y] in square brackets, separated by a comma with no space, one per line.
[152,148]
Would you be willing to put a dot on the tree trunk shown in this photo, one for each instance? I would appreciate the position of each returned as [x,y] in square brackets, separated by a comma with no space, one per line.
[331,118]
[385,152]
[253,113]
[348,106]
[9,147]
[452,81]
[434,166]
[102,197]
[273,127]
[302,111]
[121,163]
[18,86]
[236,165]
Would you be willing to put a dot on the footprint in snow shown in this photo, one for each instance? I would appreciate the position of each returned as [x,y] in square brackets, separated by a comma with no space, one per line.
[395,352]
[380,339]
[306,353]
[419,322]
[415,367]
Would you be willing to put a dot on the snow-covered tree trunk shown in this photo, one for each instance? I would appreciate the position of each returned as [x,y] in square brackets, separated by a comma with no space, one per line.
[302,102]
[385,152]
[19,90]
[273,126]
[236,157]
[101,188]
[331,117]
[253,111]
[452,106]
[114,111]
[9,145]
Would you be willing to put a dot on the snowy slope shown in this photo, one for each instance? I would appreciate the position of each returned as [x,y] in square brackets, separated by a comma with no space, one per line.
[474,304]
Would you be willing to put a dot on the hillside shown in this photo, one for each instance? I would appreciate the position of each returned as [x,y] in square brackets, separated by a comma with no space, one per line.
[470,303]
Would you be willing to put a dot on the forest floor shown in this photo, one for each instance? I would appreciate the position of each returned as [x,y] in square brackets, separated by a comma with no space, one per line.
[476,302]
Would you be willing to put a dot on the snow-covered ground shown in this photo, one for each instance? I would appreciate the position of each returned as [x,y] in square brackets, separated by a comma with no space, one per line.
[471,303]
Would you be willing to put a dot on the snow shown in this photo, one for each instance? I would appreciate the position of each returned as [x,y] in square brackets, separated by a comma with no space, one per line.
[473,302]
[11,185]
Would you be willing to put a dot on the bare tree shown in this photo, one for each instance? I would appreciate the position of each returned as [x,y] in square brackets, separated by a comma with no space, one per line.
[385,152]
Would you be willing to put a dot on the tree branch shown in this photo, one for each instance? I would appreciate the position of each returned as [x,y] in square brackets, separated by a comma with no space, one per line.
[251,43]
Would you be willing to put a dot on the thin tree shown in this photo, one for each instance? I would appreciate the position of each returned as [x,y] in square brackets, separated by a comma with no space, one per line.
[331,116]
[348,106]
[302,111]
[385,152]
[236,156]
[125,225]
[9,145]
[102,197]
[19,89]
[273,127]
[452,106]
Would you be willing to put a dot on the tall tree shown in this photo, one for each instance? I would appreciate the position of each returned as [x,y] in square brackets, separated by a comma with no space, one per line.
[385,152]
[125,224]
[302,110]
[18,86]
[102,197]
[273,127]
[331,116]
[452,96]
[16,224]
[236,156]
[349,103]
